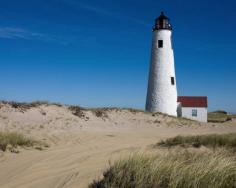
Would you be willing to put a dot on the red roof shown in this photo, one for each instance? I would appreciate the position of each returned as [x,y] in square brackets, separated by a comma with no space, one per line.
[193,101]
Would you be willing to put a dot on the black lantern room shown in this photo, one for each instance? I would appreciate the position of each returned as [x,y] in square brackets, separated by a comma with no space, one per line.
[162,22]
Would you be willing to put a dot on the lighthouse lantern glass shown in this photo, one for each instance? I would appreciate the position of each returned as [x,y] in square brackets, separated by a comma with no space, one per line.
[162,22]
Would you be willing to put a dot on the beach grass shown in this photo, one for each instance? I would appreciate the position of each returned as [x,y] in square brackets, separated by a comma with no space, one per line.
[179,169]
[209,140]
[13,140]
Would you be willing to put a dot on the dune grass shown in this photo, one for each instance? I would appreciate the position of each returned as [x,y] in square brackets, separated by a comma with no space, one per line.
[179,168]
[210,140]
[13,140]
[24,106]
[77,111]
[172,170]
[100,113]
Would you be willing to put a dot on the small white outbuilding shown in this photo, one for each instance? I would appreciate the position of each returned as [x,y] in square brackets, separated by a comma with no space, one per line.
[194,108]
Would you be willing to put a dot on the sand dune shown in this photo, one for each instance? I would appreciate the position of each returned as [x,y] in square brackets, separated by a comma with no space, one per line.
[82,147]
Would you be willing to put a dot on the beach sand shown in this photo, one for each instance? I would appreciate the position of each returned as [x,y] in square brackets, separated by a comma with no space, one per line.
[81,148]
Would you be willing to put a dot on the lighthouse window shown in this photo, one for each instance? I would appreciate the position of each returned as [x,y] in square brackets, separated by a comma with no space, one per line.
[160,43]
[173,80]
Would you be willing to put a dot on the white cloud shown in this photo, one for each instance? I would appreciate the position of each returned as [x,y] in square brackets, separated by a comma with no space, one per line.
[20,33]
[14,33]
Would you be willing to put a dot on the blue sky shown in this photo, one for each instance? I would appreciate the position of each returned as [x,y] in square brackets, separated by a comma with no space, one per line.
[96,53]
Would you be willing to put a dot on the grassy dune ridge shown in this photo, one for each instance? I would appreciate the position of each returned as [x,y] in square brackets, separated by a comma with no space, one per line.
[209,140]
[176,169]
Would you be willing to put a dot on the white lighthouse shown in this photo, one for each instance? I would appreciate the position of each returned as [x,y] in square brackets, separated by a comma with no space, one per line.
[162,92]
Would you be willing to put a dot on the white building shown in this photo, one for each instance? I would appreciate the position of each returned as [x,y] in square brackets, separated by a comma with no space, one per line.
[194,108]
[162,92]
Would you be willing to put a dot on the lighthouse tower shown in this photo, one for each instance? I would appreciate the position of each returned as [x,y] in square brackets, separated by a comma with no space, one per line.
[162,92]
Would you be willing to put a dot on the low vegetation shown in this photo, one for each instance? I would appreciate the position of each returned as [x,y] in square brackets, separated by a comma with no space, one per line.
[80,112]
[232,116]
[219,117]
[182,168]
[11,140]
[23,106]
[100,112]
[172,170]
[210,140]
[77,111]
[134,111]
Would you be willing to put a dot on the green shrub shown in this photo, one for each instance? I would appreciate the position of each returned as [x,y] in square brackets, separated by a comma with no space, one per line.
[218,117]
[220,112]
